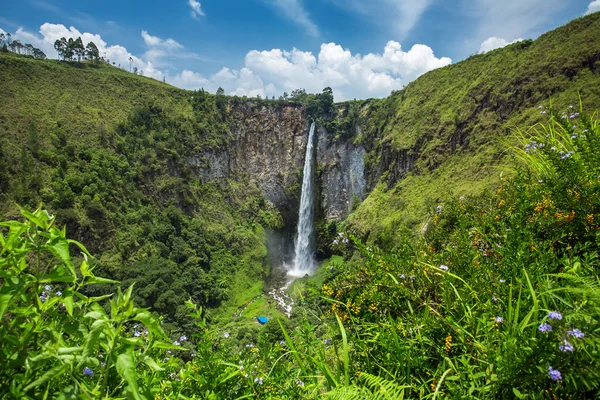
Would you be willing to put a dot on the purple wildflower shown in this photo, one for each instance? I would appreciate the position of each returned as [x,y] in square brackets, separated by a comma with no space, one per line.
[499,320]
[502,281]
[576,333]
[48,287]
[137,333]
[402,276]
[176,343]
[444,267]
[183,338]
[88,371]
[59,293]
[299,383]
[226,335]
[335,242]
[566,346]
[439,209]
[555,315]
[545,328]
[43,297]
[554,374]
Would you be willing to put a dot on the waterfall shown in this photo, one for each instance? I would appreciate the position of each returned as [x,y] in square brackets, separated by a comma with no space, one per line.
[304,261]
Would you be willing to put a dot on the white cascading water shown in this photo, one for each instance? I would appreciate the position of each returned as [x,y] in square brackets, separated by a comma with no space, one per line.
[304,260]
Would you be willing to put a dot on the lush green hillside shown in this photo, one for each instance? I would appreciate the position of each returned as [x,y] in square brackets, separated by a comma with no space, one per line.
[497,298]
[446,132]
[107,151]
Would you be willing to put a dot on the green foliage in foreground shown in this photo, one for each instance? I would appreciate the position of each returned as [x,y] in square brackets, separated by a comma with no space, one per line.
[501,299]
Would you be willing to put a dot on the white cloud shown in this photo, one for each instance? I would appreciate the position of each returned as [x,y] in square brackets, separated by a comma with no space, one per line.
[197,11]
[271,72]
[153,41]
[294,11]
[49,33]
[593,7]
[398,16]
[268,72]
[495,43]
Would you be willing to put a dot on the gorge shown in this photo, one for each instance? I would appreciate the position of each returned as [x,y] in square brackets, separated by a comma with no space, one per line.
[441,242]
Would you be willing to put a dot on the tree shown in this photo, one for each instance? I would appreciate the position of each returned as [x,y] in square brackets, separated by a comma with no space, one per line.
[285,95]
[78,49]
[135,70]
[28,49]
[60,45]
[91,52]
[70,52]
[37,53]
[220,91]
[130,61]
[299,95]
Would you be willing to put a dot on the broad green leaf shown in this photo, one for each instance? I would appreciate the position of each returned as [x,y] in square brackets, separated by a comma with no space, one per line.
[85,267]
[81,246]
[126,368]
[41,222]
[50,374]
[518,394]
[95,315]
[4,302]
[149,361]
[69,350]
[68,301]
[92,337]
[58,274]
[168,346]
[96,280]
[151,323]
[60,248]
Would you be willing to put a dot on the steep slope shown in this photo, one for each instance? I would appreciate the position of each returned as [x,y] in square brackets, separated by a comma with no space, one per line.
[446,132]
[157,179]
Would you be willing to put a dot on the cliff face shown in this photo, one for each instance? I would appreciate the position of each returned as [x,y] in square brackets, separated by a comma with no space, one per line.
[268,145]
[343,182]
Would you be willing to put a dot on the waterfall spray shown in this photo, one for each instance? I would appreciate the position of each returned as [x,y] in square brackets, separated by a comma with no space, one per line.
[304,259]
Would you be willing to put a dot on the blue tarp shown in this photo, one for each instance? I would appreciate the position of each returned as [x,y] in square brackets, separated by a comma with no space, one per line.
[262,320]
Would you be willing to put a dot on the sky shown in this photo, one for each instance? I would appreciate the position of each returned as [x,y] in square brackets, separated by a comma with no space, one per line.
[360,48]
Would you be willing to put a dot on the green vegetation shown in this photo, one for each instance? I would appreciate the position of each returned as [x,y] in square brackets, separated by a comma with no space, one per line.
[122,178]
[443,134]
[496,297]
[499,299]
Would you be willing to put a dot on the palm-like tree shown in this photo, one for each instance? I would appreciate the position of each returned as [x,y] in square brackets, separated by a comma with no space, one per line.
[130,61]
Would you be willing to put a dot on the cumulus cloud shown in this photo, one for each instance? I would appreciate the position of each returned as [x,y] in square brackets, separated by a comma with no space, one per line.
[294,11]
[271,72]
[593,7]
[268,72]
[495,43]
[196,8]
[49,33]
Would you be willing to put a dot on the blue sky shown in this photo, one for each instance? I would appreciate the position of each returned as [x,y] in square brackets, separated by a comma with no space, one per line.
[361,48]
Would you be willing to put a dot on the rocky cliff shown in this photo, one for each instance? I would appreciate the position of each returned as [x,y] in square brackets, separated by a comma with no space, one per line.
[268,145]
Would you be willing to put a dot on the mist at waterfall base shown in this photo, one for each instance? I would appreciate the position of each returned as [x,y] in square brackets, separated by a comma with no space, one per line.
[304,246]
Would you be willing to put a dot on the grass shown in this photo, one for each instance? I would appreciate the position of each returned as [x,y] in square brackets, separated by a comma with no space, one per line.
[446,131]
